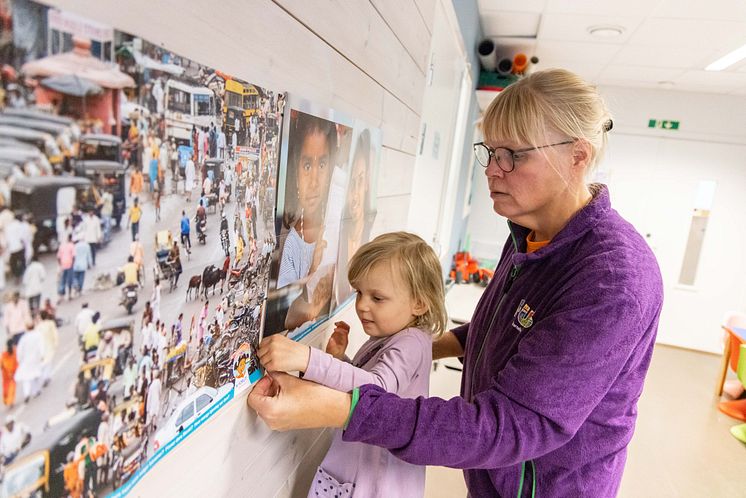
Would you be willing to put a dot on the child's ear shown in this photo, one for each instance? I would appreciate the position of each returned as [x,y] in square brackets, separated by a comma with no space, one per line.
[419,308]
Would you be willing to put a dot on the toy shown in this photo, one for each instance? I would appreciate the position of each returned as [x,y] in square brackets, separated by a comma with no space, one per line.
[466,269]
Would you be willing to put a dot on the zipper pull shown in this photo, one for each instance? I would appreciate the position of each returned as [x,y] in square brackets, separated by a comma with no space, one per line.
[511,278]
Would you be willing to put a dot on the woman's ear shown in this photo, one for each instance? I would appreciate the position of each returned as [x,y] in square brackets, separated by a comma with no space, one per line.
[581,155]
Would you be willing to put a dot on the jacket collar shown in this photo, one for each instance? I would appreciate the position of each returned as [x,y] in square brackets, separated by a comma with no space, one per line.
[583,221]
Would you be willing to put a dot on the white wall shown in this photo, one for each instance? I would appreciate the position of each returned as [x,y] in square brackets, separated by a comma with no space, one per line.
[653,176]
[366,59]
[442,129]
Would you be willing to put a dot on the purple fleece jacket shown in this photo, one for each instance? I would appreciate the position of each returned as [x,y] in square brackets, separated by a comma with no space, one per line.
[554,362]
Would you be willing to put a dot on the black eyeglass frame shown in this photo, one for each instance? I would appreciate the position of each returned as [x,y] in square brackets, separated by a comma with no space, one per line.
[491,153]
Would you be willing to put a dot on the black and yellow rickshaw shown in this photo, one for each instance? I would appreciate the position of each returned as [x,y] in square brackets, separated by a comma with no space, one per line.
[62,133]
[38,470]
[100,160]
[43,197]
[43,141]
[123,330]
[129,448]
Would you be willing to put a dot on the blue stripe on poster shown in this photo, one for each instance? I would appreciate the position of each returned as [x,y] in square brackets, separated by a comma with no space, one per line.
[162,452]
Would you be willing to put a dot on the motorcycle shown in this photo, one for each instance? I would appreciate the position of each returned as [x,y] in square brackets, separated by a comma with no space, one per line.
[129,297]
[225,242]
[201,229]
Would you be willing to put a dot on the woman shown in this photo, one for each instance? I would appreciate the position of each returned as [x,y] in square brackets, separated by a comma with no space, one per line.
[358,218]
[312,148]
[559,345]
[189,177]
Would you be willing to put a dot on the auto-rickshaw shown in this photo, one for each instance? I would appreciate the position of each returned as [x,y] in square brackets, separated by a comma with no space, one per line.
[31,160]
[128,449]
[123,330]
[38,469]
[43,141]
[164,269]
[100,160]
[9,173]
[102,369]
[32,113]
[49,199]
[214,169]
[62,133]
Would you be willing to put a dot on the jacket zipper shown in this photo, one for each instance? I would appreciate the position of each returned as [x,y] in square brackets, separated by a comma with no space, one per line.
[508,284]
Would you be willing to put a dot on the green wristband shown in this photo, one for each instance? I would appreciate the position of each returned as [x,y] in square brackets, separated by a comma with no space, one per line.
[355,399]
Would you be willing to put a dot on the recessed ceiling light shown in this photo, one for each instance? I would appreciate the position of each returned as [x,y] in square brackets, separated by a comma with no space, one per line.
[606,30]
[666,84]
[728,59]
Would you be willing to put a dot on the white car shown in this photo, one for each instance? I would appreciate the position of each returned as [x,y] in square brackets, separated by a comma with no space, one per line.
[194,405]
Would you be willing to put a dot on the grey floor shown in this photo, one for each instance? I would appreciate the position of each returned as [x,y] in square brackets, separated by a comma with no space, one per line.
[682,445]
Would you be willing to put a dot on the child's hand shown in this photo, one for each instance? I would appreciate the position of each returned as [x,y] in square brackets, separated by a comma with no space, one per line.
[277,353]
[338,341]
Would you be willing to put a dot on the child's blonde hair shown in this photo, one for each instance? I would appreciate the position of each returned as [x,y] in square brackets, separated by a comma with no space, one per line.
[419,268]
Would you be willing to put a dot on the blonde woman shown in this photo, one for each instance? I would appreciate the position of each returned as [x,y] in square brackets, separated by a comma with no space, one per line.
[559,345]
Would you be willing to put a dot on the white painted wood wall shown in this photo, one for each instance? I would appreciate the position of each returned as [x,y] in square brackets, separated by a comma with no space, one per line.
[365,58]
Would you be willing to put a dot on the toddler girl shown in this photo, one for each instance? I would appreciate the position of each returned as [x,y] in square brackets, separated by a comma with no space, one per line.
[400,303]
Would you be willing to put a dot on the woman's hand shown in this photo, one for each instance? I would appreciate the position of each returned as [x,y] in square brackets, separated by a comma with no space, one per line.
[318,254]
[337,344]
[277,353]
[322,293]
[285,402]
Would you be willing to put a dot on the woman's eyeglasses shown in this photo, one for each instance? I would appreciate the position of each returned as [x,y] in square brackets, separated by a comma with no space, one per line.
[504,157]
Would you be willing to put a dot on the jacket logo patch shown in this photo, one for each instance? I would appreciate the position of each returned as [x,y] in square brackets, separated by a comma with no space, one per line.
[524,315]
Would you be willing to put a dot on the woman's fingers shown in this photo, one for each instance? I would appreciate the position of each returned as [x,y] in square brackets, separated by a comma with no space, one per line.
[265,387]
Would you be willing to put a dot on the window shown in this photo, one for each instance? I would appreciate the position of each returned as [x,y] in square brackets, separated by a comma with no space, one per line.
[251,102]
[233,99]
[697,230]
[99,151]
[203,401]
[203,104]
[179,101]
[96,49]
[186,414]
[107,51]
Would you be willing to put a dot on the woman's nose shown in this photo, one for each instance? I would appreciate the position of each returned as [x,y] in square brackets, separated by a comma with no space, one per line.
[493,170]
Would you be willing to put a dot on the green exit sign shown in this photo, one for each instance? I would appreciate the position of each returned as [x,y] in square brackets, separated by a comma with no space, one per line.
[664,124]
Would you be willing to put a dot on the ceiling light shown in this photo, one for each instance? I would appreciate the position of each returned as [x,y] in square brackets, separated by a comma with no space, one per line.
[606,30]
[727,60]
[666,84]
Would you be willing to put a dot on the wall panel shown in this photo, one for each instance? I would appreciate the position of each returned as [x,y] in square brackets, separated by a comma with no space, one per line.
[367,61]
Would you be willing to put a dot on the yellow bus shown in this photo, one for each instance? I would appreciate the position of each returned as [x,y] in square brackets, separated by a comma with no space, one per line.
[240,99]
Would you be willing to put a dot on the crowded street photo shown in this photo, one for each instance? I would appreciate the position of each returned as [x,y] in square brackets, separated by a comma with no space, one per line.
[137,197]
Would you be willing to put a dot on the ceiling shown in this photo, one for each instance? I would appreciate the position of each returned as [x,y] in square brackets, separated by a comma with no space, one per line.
[664,44]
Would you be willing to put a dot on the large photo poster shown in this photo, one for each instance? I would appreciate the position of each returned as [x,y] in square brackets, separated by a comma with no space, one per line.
[137,226]
[325,210]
